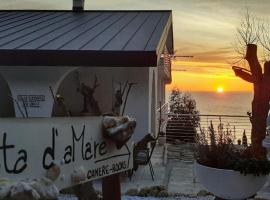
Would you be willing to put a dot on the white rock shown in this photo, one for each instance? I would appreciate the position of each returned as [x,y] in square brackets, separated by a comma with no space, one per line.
[22,190]
[46,188]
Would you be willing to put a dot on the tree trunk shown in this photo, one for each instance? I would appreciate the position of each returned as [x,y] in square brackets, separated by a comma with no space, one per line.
[260,107]
[260,103]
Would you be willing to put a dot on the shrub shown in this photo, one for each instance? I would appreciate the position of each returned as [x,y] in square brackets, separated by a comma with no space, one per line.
[184,117]
[216,148]
[183,103]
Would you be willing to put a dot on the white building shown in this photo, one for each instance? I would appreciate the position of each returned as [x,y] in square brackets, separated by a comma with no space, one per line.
[43,49]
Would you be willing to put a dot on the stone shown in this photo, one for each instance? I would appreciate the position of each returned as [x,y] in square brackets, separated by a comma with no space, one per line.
[203,193]
[163,193]
[153,192]
[132,192]
[86,192]
[83,191]
[144,192]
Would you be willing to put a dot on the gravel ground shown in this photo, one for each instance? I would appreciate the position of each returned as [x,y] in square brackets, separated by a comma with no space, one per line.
[69,197]
[169,198]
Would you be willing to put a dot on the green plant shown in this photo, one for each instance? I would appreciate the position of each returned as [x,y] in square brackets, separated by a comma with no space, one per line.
[182,103]
[217,149]
[183,116]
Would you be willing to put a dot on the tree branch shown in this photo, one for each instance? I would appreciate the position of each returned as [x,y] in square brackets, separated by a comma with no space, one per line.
[252,58]
[243,73]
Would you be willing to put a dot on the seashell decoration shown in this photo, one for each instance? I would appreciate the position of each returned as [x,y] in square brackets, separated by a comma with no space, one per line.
[78,175]
[118,129]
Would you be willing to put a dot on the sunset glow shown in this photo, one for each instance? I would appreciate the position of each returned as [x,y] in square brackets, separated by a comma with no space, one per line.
[220,90]
[206,76]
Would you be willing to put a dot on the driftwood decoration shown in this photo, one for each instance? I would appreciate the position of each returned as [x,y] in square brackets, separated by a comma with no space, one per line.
[119,98]
[127,94]
[60,101]
[19,107]
[118,129]
[88,97]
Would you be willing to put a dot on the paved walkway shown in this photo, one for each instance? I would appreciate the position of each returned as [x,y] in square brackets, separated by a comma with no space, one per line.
[174,172]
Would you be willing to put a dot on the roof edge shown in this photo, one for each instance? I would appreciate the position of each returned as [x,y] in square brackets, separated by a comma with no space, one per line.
[49,10]
[164,38]
[87,58]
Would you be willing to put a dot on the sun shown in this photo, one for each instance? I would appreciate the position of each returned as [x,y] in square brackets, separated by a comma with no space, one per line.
[220,90]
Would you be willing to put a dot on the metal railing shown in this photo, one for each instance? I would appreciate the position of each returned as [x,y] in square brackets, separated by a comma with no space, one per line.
[184,127]
[162,114]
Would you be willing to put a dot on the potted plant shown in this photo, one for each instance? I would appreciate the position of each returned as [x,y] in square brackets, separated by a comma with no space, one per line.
[227,170]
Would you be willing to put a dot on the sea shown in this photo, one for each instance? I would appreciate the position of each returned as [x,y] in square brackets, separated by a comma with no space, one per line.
[234,104]
[226,103]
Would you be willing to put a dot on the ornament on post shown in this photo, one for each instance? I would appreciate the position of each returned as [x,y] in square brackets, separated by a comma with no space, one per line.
[118,129]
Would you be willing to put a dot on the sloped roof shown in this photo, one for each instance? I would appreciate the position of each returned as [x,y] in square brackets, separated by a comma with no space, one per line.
[89,38]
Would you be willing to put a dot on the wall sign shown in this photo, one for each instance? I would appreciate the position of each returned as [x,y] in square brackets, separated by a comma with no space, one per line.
[29,147]
[32,101]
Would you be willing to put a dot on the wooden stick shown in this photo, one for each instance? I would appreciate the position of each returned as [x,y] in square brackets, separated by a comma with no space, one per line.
[111,187]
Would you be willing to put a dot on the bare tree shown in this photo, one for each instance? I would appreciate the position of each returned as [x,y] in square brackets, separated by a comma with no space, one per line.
[251,34]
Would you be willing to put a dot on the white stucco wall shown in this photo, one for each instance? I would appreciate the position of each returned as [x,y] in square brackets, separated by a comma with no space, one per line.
[31,82]
[141,104]
[109,78]
[6,102]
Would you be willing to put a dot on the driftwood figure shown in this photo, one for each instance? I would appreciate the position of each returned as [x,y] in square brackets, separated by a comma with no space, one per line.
[118,102]
[126,98]
[250,35]
[60,108]
[88,97]
[119,99]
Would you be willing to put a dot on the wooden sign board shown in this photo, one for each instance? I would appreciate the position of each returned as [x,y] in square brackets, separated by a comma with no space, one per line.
[28,147]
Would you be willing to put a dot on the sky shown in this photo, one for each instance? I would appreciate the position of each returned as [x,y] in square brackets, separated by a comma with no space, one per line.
[205,29]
